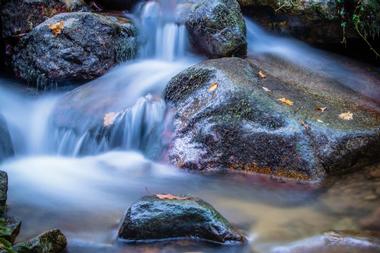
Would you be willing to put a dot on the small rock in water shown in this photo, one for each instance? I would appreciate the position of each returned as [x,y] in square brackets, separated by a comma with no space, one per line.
[52,241]
[157,218]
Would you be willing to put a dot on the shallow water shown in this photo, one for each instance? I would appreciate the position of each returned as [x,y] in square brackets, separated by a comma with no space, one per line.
[52,184]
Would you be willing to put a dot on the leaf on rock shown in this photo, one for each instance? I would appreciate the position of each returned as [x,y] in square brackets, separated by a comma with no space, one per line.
[321,109]
[170,197]
[57,28]
[213,87]
[109,118]
[266,89]
[346,116]
[286,101]
[261,74]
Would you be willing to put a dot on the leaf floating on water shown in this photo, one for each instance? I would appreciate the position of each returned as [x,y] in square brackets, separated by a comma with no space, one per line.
[286,101]
[266,89]
[346,116]
[261,74]
[170,197]
[213,87]
[321,109]
[109,119]
[57,28]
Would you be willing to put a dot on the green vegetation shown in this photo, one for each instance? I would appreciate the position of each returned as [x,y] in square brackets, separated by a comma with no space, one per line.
[5,233]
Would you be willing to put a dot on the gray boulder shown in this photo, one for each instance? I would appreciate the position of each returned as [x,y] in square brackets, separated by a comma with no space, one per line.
[73,47]
[217,28]
[230,118]
[52,241]
[172,217]
[6,146]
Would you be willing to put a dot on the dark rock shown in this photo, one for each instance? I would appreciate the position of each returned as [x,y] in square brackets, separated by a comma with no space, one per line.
[227,120]
[334,242]
[6,146]
[89,44]
[116,4]
[372,222]
[21,16]
[153,218]
[3,192]
[217,28]
[13,226]
[52,241]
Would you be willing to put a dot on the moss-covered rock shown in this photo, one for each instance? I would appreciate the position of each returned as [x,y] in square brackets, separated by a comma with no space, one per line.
[217,28]
[154,218]
[84,47]
[52,241]
[230,118]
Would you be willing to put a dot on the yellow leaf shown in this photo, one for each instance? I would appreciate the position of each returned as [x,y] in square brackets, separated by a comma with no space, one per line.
[346,116]
[57,28]
[109,118]
[213,87]
[286,101]
[170,197]
[261,74]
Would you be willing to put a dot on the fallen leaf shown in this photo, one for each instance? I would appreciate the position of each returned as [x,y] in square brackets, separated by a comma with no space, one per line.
[57,28]
[213,87]
[286,101]
[261,74]
[320,121]
[321,109]
[266,89]
[109,118]
[346,116]
[170,197]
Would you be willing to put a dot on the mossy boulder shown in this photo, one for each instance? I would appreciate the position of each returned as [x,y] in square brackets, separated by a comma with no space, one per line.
[217,28]
[83,46]
[6,146]
[158,218]
[52,241]
[230,118]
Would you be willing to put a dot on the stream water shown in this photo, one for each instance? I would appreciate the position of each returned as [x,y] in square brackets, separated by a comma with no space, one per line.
[62,179]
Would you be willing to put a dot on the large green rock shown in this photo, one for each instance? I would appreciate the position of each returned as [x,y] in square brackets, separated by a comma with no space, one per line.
[52,241]
[172,217]
[228,118]
[84,47]
[217,28]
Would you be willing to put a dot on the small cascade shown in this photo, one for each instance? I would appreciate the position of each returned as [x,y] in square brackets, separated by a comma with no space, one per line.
[139,127]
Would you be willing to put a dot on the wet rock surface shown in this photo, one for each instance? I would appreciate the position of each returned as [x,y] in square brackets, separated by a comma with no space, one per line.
[116,4]
[334,242]
[6,146]
[217,28]
[228,117]
[153,218]
[3,192]
[73,47]
[52,241]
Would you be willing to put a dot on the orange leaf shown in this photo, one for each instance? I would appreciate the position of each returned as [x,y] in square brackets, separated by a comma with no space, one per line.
[261,74]
[57,28]
[286,101]
[170,197]
[213,87]
[109,118]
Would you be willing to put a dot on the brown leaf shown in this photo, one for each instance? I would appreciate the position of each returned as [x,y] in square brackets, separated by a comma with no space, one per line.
[213,87]
[346,116]
[286,101]
[109,118]
[321,109]
[261,74]
[170,197]
[57,28]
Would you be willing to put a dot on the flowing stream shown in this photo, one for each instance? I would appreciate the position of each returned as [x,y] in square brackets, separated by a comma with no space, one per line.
[63,178]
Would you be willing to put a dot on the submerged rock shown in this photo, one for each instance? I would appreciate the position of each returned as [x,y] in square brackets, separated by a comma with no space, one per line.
[73,46]
[172,217]
[52,241]
[232,116]
[6,146]
[19,17]
[334,242]
[217,28]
